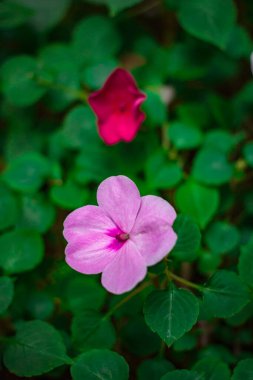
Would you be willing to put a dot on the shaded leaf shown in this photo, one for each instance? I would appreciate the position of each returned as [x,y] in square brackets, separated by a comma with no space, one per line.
[38,348]
[21,250]
[6,293]
[171,313]
[225,294]
[100,364]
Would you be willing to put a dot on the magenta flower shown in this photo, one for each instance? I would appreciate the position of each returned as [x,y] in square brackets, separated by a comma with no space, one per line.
[121,236]
[117,106]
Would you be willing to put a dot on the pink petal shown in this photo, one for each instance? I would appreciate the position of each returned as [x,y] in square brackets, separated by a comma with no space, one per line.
[120,127]
[119,197]
[152,232]
[126,270]
[86,219]
[117,105]
[90,234]
[91,258]
[120,84]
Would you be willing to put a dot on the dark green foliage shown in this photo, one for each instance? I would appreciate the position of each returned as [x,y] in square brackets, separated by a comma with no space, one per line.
[100,364]
[37,348]
[6,293]
[191,318]
[171,313]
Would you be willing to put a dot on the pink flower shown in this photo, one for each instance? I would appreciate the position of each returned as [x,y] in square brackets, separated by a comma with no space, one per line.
[117,106]
[121,236]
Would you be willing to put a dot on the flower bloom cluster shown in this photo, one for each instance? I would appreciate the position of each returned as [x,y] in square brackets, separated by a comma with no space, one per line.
[121,236]
[125,233]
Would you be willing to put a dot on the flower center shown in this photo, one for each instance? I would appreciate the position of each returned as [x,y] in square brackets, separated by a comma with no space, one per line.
[122,237]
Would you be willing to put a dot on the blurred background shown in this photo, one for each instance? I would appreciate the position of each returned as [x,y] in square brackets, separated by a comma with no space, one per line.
[195,148]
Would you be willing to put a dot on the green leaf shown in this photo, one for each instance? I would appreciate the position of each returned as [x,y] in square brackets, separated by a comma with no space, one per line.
[219,139]
[182,374]
[27,173]
[38,348]
[45,13]
[8,207]
[248,153]
[218,351]
[171,313]
[211,167]
[151,369]
[187,343]
[90,330]
[225,294]
[162,174]
[242,316]
[36,213]
[183,64]
[243,370]
[40,305]
[222,237]
[212,369]
[94,76]
[245,265]
[193,113]
[184,136]
[100,364]
[208,262]
[204,19]
[62,75]
[116,6]
[172,4]
[84,293]
[69,195]
[248,203]
[188,239]
[19,84]
[13,15]
[93,164]
[139,339]
[95,39]
[239,44]
[6,293]
[199,202]
[21,250]
[79,129]
[155,109]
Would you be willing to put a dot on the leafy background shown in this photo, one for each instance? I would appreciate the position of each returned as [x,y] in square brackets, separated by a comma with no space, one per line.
[191,57]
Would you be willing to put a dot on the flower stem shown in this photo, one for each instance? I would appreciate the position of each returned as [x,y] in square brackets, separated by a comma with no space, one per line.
[136,291]
[183,281]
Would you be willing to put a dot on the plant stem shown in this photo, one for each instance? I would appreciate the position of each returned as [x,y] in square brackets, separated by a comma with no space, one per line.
[183,281]
[136,291]
[162,349]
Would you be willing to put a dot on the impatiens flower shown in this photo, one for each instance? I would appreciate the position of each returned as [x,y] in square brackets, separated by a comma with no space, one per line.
[121,236]
[117,106]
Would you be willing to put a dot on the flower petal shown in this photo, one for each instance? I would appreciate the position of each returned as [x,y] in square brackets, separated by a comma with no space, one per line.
[119,83]
[91,258]
[119,197]
[87,218]
[117,107]
[90,234]
[152,232]
[126,270]
[120,127]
